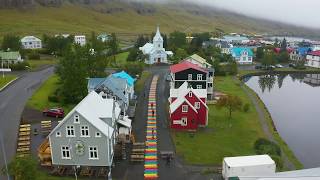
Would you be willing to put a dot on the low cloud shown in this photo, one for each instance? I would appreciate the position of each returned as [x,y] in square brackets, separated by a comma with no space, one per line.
[298,12]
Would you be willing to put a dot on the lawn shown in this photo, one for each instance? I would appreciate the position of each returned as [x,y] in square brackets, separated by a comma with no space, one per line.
[4,80]
[141,81]
[39,99]
[121,58]
[287,70]
[36,64]
[223,137]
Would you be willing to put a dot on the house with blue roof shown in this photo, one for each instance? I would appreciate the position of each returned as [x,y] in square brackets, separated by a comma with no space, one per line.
[111,88]
[130,81]
[242,55]
[300,53]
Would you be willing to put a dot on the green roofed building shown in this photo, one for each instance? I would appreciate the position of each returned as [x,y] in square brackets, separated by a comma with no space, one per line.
[10,57]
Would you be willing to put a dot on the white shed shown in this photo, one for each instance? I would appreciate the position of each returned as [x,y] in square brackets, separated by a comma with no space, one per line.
[241,166]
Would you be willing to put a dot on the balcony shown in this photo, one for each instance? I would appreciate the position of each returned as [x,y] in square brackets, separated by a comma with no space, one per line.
[210,79]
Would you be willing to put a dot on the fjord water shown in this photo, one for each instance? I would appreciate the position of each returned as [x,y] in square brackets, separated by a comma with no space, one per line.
[294,103]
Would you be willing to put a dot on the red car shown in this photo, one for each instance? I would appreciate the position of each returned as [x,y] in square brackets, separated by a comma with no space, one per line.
[54,112]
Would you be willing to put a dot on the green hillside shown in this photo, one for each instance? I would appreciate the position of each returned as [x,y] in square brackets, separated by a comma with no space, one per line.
[130,19]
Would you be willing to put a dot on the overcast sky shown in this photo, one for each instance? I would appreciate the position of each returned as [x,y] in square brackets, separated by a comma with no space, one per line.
[298,12]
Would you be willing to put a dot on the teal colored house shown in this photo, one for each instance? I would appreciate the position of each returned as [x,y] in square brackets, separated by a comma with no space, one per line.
[242,55]
[130,80]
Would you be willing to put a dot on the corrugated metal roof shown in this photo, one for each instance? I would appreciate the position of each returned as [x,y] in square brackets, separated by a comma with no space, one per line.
[9,55]
[125,75]
[237,51]
[185,65]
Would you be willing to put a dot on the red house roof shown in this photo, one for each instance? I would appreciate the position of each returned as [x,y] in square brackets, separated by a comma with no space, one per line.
[185,65]
[315,53]
[277,50]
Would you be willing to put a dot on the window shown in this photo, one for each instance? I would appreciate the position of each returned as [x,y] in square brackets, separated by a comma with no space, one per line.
[65,152]
[189,76]
[197,105]
[93,152]
[184,108]
[98,134]
[76,119]
[199,77]
[70,131]
[199,86]
[84,131]
[58,134]
[184,121]
[190,94]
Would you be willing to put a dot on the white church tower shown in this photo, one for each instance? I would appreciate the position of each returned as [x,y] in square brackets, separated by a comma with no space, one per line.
[155,51]
[158,40]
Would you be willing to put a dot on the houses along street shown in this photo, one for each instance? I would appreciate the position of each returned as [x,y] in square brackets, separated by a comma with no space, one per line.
[12,102]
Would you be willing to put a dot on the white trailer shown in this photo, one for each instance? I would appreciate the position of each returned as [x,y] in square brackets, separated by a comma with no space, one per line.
[242,166]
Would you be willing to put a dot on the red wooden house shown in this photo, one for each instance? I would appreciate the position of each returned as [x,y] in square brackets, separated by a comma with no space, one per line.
[188,109]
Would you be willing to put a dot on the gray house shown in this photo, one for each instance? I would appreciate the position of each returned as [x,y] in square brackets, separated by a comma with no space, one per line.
[223,45]
[86,136]
[111,87]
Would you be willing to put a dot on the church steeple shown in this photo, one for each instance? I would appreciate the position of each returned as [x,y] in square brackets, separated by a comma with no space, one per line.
[157,39]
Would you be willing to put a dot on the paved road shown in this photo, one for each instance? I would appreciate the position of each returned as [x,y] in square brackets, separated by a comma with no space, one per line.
[12,102]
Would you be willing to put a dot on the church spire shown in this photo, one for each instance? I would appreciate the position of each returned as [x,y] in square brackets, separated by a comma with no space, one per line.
[158,36]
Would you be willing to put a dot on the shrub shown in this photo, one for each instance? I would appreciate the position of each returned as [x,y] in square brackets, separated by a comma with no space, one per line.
[246,107]
[278,161]
[264,146]
[19,66]
[53,98]
[34,55]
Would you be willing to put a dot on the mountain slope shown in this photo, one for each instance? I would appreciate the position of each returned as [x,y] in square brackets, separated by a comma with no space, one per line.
[129,19]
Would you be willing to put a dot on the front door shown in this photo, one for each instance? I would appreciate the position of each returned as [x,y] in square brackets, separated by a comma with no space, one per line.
[159,60]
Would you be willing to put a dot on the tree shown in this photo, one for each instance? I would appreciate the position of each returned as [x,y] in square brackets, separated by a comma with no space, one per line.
[133,68]
[113,45]
[268,59]
[141,41]
[232,103]
[165,40]
[72,71]
[23,168]
[284,45]
[276,42]
[260,53]
[177,40]
[56,45]
[283,57]
[11,42]
[179,55]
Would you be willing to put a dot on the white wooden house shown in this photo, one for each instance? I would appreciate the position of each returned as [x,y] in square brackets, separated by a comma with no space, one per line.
[31,42]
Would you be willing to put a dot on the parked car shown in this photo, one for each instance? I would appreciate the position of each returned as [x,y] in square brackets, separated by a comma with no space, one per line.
[54,112]
[279,66]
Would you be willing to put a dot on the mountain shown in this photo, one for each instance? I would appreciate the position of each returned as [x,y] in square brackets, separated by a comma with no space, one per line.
[128,19]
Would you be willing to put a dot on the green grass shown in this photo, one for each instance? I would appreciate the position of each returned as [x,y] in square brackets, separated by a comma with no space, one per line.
[141,81]
[308,69]
[36,64]
[6,79]
[127,22]
[121,58]
[39,99]
[223,137]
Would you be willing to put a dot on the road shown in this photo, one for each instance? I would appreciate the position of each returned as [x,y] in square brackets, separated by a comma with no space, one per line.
[12,102]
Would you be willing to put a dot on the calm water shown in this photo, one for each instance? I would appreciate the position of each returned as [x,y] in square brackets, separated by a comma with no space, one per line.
[294,103]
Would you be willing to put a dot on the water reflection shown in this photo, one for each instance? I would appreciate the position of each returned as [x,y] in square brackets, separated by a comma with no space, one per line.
[293,101]
[268,81]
